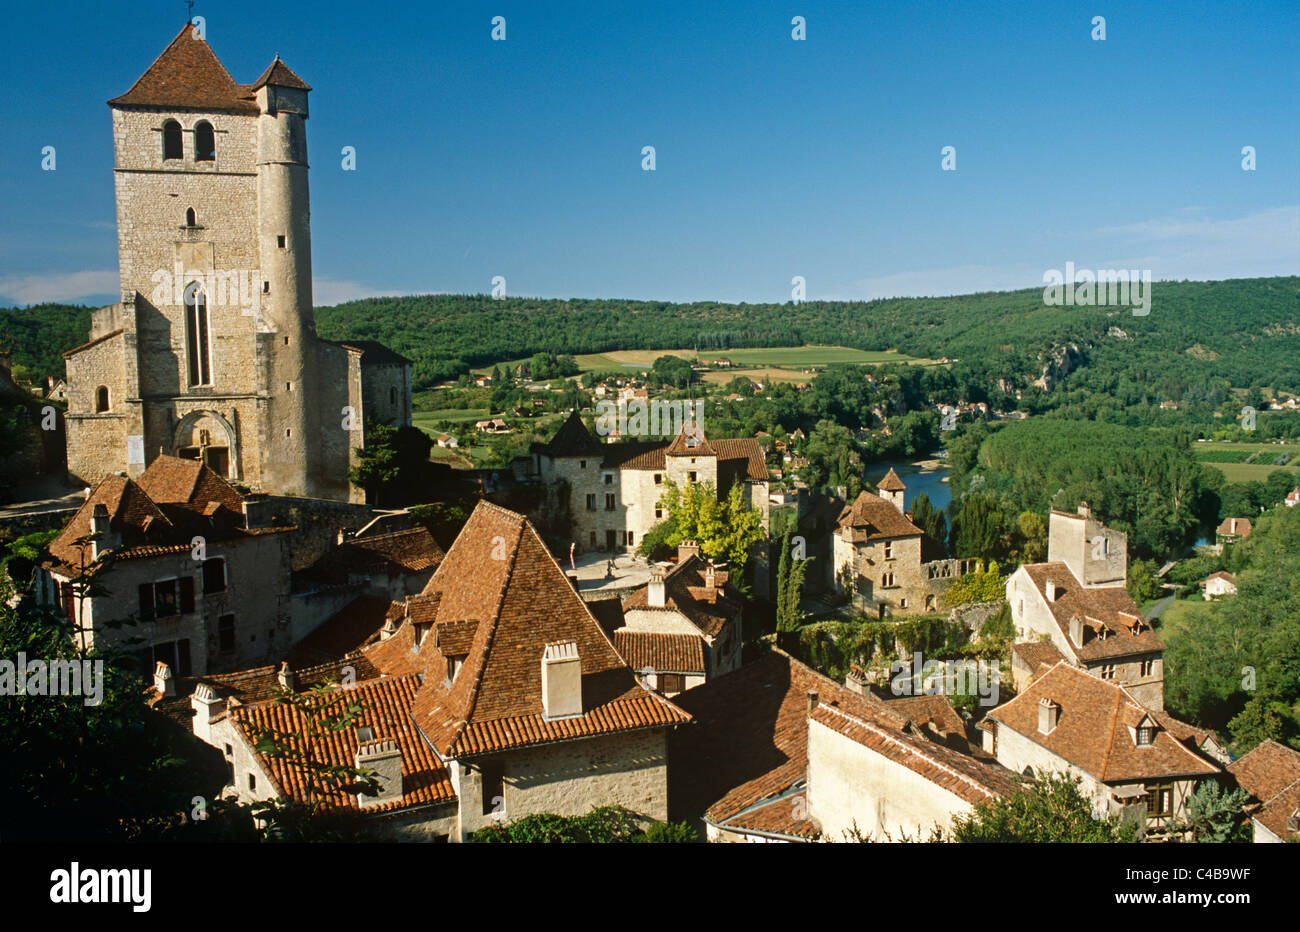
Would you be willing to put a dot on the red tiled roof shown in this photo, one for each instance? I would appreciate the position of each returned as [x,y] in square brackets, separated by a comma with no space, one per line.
[94,342]
[352,628]
[1266,770]
[870,517]
[499,573]
[690,442]
[280,74]
[707,607]
[187,75]
[1238,527]
[1094,728]
[387,710]
[174,480]
[662,653]
[891,482]
[1037,654]
[1110,608]
[401,552]
[128,509]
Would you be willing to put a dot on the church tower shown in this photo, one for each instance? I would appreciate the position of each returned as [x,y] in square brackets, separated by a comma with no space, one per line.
[212,352]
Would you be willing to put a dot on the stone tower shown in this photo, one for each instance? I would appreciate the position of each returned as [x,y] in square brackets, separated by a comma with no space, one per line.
[892,489]
[212,352]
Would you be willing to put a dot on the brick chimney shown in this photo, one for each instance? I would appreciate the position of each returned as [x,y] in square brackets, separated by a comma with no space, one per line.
[656,595]
[1048,714]
[207,706]
[385,760]
[162,679]
[686,549]
[561,681]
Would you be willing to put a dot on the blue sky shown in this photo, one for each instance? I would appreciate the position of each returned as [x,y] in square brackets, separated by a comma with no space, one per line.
[774,158]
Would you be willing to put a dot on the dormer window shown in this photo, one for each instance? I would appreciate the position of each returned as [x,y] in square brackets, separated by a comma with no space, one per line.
[1146,735]
[454,664]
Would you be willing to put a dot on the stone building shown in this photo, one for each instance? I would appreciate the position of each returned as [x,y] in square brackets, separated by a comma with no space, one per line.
[1077,602]
[1131,759]
[212,352]
[612,490]
[185,558]
[523,698]
[876,555]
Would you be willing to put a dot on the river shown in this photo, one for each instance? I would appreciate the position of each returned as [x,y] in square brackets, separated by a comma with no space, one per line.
[933,482]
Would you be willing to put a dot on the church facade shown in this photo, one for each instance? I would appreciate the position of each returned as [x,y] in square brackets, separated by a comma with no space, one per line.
[212,352]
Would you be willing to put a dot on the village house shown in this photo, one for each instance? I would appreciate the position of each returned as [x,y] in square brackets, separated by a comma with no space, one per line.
[780,753]
[1293,497]
[1077,602]
[683,627]
[876,556]
[1231,530]
[1270,773]
[612,490]
[523,698]
[1219,584]
[1132,760]
[184,557]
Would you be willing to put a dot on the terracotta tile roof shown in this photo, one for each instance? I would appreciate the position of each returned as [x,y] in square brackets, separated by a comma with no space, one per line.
[1110,609]
[352,628]
[187,75]
[891,482]
[783,816]
[960,774]
[499,573]
[749,742]
[397,553]
[1224,575]
[572,439]
[1036,655]
[690,442]
[280,74]
[1268,769]
[933,712]
[707,607]
[1239,527]
[744,456]
[1277,813]
[737,458]
[662,653]
[1095,729]
[260,684]
[387,710]
[454,638]
[173,480]
[131,513]
[870,517]
[635,454]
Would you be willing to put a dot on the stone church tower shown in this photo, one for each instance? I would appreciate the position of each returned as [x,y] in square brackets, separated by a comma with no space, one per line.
[212,352]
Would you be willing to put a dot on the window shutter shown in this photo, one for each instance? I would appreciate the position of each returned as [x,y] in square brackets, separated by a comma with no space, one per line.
[146,601]
[187,594]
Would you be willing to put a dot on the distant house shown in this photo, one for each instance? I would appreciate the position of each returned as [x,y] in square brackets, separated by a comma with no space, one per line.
[1232,530]
[56,389]
[1271,775]
[1293,498]
[1219,584]
[1168,406]
[492,426]
[447,441]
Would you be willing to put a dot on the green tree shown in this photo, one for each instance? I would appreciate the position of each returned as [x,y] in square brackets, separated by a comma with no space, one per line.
[1143,583]
[1214,814]
[833,458]
[602,825]
[1032,534]
[980,528]
[983,585]
[790,577]
[726,530]
[1050,809]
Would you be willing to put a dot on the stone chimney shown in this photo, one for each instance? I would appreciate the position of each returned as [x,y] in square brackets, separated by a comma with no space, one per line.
[656,595]
[1048,714]
[207,706]
[105,539]
[855,682]
[1076,630]
[1052,591]
[686,549]
[286,677]
[162,679]
[561,681]
[711,576]
[813,699]
[385,760]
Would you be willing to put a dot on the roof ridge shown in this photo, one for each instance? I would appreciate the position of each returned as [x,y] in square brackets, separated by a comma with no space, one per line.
[477,683]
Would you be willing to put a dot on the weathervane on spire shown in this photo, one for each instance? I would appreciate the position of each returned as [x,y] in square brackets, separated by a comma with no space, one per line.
[189,10]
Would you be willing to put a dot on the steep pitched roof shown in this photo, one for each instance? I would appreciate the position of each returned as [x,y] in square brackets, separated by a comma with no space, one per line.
[572,439]
[281,75]
[691,442]
[870,517]
[500,574]
[686,590]
[891,482]
[743,456]
[1267,770]
[1238,527]
[660,652]
[400,552]
[386,708]
[188,76]
[1109,615]
[174,480]
[355,626]
[131,513]
[1095,729]
[1037,656]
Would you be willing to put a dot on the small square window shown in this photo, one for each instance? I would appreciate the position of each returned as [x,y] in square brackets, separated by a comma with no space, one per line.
[279,241]
[266,287]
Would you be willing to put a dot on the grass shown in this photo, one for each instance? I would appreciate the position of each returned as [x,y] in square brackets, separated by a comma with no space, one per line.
[1247,472]
[426,419]
[1176,616]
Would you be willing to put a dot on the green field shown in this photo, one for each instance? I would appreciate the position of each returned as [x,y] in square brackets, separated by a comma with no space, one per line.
[1170,624]
[770,357]
[425,419]
[1211,452]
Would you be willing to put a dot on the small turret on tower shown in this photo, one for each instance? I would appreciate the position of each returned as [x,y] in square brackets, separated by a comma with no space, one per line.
[892,489]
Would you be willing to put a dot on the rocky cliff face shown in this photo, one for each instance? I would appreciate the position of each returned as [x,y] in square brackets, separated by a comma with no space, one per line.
[1059,362]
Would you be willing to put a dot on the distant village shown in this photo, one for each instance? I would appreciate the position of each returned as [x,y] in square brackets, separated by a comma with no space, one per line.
[543,647]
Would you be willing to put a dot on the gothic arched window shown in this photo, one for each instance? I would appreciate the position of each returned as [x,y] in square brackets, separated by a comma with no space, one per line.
[205,142]
[196,335]
[101,399]
[172,147]
[190,218]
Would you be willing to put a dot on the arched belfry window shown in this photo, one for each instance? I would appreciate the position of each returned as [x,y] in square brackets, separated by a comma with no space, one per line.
[172,147]
[190,218]
[101,399]
[205,142]
[196,335]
